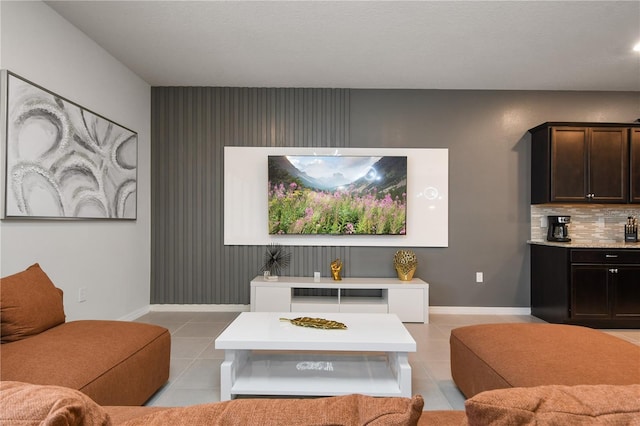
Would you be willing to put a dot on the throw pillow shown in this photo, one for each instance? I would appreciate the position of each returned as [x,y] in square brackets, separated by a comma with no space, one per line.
[29,304]
[347,410]
[556,405]
[25,404]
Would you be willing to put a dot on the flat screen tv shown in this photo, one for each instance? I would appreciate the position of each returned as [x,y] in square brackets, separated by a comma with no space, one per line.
[337,195]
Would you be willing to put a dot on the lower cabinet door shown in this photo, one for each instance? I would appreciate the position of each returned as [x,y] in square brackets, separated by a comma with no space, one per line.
[408,304]
[589,292]
[626,292]
[271,299]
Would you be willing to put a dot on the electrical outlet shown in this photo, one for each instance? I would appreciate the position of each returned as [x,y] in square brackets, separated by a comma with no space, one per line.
[82,294]
[479,277]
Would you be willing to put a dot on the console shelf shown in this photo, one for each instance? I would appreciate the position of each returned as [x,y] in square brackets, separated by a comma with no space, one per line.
[317,375]
[407,299]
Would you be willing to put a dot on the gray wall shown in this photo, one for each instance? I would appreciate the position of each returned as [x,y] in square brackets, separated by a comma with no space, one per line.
[485,132]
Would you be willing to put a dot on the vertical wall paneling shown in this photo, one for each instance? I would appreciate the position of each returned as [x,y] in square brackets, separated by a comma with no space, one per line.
[190,127]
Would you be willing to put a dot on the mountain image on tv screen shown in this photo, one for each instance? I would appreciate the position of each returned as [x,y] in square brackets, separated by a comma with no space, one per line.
[338,195]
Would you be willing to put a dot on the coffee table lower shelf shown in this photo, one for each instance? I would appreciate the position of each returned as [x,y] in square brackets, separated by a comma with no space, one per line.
[245,372]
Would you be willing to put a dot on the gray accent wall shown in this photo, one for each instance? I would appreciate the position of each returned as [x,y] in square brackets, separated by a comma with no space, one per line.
[489,213]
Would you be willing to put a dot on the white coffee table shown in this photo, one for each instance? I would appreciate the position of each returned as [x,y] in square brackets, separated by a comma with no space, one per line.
[266,356]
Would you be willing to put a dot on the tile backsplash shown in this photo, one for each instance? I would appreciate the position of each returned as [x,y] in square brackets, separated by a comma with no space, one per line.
[602,223]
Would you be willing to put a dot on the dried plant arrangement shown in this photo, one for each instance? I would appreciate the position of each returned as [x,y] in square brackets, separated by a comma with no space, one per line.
[276,259]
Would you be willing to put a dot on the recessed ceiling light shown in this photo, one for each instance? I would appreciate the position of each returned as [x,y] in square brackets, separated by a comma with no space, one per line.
[636,48]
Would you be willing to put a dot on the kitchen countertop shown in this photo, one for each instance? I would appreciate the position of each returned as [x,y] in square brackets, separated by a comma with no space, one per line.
[587,244]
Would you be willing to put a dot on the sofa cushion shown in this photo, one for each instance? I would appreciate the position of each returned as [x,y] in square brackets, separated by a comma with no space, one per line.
[114,362]
[443,418]
[556,405]
[26,404]
[29,304]
[339,410]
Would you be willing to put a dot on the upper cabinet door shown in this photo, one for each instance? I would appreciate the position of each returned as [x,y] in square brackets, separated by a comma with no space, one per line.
[635,165]
[569,170]
[608,165]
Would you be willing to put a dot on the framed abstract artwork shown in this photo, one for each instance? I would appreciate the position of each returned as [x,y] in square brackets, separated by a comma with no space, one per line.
[64,161]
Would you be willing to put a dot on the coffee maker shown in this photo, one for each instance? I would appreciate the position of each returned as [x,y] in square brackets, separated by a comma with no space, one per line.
[558,228]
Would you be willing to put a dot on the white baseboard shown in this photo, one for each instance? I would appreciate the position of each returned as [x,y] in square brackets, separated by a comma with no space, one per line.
[199,308]
[135,314]
[478,310]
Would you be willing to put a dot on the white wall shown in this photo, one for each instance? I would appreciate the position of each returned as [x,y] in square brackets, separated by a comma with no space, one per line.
[110,258]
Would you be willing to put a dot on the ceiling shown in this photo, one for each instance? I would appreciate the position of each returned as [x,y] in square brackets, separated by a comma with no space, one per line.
[520,45]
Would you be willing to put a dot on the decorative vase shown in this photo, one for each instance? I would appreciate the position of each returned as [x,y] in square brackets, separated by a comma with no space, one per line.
[336,268]
[405,262]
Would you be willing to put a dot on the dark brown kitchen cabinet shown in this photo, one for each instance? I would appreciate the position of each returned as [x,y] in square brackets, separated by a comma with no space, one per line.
[592,287]
[610,292]
[635,165]
[580,163]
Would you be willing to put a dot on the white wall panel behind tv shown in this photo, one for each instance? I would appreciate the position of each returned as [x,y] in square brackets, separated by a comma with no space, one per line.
[246,187]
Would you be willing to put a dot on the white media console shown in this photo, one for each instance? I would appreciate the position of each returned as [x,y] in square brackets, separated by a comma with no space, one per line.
[409,300]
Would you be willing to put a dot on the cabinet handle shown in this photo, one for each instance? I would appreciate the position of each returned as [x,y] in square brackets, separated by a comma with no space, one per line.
[611,256]
[613,271]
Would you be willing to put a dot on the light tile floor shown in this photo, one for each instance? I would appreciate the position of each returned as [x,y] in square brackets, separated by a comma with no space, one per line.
[195,363]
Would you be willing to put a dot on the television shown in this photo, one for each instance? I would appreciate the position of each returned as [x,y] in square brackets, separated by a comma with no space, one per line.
[337,195]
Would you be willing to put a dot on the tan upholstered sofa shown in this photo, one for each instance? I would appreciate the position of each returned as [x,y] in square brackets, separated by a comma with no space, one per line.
[113,362]
[27,404]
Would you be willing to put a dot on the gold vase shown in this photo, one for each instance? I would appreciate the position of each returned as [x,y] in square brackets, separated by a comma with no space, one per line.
[405,275]
[405,262]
